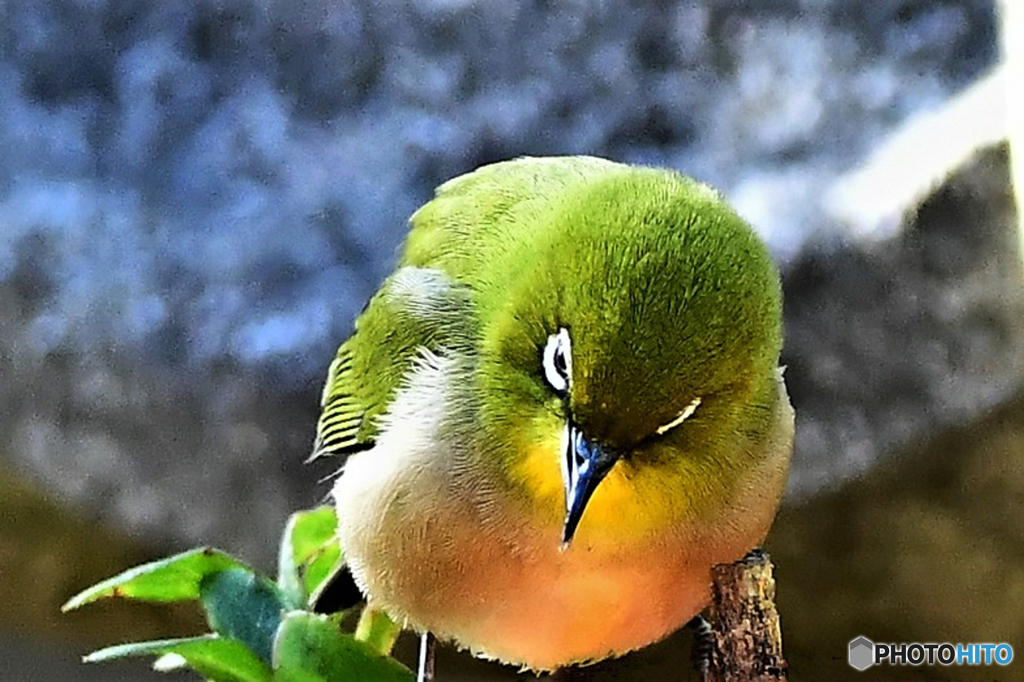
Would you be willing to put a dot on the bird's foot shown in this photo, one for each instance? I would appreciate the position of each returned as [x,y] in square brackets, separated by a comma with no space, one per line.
[703,646]
[428,647]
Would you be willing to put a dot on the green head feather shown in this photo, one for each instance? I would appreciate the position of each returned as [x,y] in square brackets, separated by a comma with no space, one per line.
[666,293]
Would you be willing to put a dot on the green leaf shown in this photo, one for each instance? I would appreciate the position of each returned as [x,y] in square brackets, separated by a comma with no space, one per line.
[310,552]
[322,567]
[176,578]
[376,629]
[244,606]
[311,647]
[213,657]
[294,675]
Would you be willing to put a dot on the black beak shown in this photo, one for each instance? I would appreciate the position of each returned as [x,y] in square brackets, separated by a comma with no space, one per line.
[586,465]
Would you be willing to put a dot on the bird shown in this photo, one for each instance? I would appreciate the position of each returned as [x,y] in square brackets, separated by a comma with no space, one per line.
[560,411]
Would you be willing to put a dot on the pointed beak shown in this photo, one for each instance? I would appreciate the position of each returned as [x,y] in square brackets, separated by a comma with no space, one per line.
[586,465]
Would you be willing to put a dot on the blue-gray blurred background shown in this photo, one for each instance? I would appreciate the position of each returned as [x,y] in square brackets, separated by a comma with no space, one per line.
[197,198]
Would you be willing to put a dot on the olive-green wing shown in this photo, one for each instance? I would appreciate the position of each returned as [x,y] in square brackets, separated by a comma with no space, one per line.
[416,310]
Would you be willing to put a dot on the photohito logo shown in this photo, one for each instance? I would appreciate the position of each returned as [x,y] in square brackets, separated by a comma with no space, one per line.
[864,653]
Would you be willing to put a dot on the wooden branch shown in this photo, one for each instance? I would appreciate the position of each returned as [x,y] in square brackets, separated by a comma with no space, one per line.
[748,637]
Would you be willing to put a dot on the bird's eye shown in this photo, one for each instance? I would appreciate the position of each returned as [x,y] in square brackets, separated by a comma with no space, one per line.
[558,361]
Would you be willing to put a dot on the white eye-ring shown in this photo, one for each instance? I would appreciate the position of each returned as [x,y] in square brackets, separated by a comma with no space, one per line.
[558,361]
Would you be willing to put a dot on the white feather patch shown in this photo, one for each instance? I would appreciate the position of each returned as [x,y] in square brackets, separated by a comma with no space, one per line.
[420,291]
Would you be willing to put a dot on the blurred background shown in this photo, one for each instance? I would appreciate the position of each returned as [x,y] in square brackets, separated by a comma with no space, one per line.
[197,198]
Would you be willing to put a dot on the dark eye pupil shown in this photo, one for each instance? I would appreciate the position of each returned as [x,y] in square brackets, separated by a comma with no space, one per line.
[560,362]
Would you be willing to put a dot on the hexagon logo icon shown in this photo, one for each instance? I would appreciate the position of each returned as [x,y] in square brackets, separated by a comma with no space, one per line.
[862,653]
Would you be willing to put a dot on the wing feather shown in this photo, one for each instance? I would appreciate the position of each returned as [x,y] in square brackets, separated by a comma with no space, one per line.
[416,309]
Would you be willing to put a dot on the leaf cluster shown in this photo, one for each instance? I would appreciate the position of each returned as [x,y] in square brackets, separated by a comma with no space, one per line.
[263,630]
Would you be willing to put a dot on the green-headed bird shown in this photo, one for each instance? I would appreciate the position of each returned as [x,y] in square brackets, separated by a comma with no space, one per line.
[560,411]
